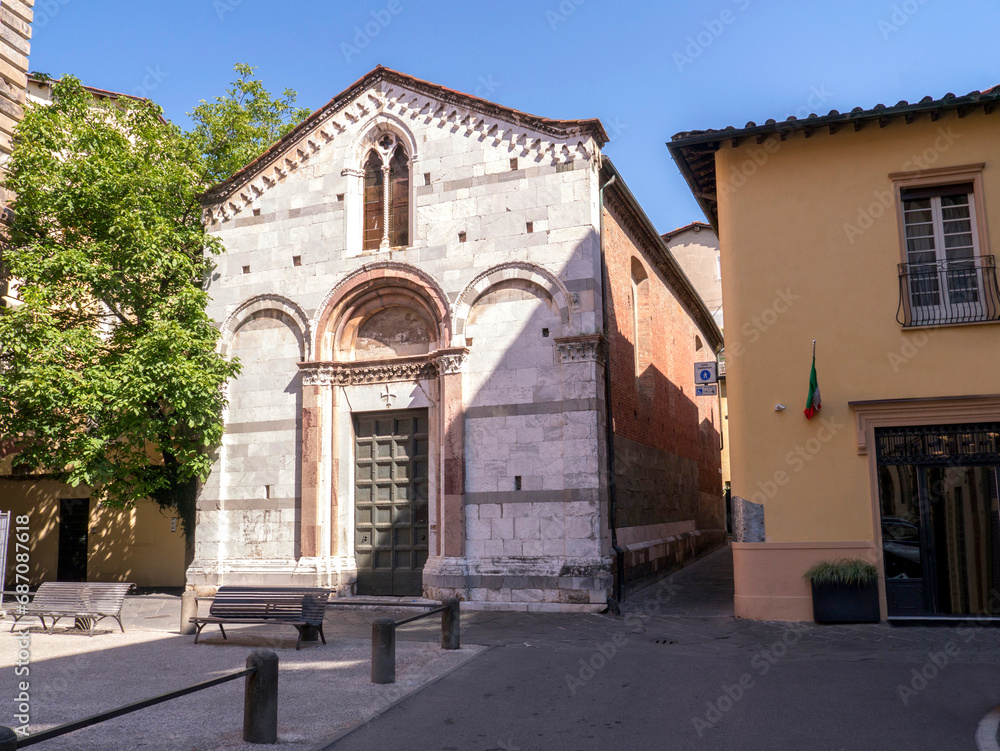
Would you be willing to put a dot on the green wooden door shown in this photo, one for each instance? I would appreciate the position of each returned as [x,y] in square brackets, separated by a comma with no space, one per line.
[390,501]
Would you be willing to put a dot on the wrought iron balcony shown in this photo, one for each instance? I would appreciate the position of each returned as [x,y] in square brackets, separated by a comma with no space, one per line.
[945,292]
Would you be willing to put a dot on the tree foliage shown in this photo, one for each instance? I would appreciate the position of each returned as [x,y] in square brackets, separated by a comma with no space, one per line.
[109,374]
[233,130]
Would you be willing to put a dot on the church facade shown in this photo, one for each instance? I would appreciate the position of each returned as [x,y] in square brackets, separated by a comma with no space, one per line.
[425,290]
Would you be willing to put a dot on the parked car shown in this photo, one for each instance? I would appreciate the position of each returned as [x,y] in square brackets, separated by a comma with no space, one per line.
[901,548]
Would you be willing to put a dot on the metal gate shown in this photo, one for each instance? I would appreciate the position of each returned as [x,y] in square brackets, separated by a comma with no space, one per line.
[390,501]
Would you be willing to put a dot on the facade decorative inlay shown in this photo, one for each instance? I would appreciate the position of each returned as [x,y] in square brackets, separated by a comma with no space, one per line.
[580,348]
[404,98]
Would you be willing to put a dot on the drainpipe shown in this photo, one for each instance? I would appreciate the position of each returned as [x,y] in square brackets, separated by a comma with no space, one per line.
[619,586]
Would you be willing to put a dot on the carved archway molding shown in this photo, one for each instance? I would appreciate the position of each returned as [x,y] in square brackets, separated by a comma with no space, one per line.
[524,270]
[374,128]
[392,281]
[268,302]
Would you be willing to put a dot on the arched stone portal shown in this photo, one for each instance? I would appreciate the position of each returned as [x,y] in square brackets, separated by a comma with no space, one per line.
[383,431]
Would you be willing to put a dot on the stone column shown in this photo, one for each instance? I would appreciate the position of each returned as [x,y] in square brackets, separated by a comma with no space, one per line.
[581,360]
[315,380]
[451,516]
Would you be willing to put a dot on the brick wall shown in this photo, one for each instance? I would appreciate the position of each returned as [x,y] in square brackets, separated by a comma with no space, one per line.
[655,411]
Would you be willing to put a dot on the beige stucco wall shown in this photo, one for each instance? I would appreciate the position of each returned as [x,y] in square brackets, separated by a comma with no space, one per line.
[134,545]
[810,247]
[697,251]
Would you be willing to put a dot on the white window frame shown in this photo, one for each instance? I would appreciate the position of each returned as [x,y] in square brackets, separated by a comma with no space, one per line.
[941,178]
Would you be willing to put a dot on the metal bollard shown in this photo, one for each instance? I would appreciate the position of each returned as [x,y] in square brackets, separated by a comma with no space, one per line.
[383,650]
[451,626]
[260,699]
[189,610]
[8,739]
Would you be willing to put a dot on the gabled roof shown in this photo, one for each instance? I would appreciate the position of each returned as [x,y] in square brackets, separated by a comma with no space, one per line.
[562,129]
[98,94]
[696,225]
[95,92]
[694,151]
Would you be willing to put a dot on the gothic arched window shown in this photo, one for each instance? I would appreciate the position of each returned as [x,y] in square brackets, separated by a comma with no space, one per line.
[374,197]
[387,195]
[399,199]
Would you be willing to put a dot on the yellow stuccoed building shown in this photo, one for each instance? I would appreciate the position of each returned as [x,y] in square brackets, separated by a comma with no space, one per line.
[868,232]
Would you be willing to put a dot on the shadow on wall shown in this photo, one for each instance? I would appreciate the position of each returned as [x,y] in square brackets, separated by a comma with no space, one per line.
[265,398]
[667,443]
[529,430]
[110,544]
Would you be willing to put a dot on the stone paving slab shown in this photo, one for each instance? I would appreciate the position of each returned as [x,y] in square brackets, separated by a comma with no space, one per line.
[322,689]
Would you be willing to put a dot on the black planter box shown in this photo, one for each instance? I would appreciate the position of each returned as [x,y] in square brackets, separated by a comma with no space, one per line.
[845,603]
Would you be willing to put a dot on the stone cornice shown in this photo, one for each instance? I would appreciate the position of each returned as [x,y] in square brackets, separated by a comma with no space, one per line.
[421,367]
[884,413]
[413,368]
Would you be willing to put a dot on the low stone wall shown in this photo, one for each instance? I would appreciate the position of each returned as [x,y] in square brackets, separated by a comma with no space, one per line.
[540,584]
[648,562]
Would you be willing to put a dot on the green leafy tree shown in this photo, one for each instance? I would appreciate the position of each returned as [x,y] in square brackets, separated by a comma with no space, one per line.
[235,129]
[109,375]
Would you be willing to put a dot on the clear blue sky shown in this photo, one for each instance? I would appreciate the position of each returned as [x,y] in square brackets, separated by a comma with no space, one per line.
[646,69]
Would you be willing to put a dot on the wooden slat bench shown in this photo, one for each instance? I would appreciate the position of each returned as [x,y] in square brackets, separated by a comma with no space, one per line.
[302,607]
[94,601]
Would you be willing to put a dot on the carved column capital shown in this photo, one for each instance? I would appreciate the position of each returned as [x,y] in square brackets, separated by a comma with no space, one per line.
[587,348]
[452,360]
[318,374]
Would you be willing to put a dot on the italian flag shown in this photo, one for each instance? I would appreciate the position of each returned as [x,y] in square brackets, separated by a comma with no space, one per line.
[813,402]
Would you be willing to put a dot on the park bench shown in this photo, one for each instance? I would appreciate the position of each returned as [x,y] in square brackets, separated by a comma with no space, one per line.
[89,601]
[302,607]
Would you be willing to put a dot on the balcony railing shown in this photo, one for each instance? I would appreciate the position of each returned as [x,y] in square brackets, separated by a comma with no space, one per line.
[946,292]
